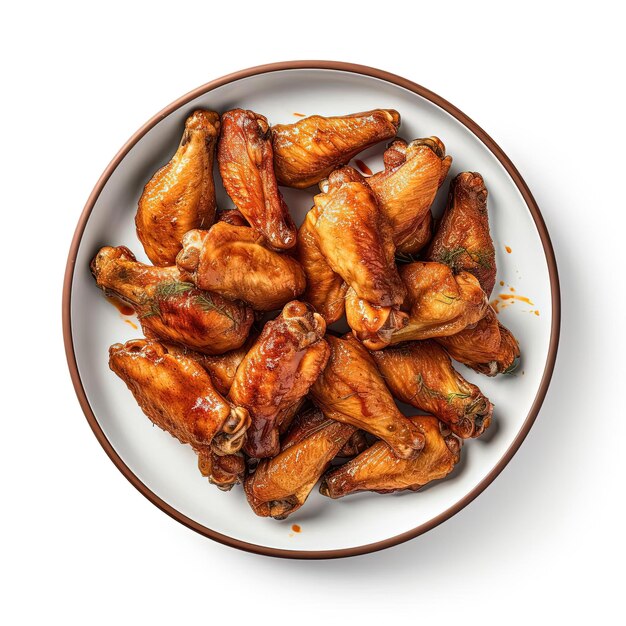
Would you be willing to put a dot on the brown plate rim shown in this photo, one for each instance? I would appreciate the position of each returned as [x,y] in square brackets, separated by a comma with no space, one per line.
[552,271]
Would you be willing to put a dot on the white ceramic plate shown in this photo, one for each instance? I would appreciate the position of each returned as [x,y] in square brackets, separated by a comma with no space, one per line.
[166,471]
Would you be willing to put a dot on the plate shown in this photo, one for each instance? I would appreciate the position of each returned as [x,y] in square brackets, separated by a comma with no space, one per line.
[165,471]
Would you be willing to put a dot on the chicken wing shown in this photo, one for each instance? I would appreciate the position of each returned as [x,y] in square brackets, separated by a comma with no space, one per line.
[245,159]
[181,195]
[277,373]
[351,390]
[488,347]
[223,470]
[325,289]
[463,240]
[420,373]
[307,151]
[178,396]
[438,303]
[169,308]
[280,486]
[407,186]
[378,469]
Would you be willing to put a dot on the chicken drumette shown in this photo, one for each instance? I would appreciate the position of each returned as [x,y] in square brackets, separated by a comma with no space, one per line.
[463,240]
[178,396]
[245,159]
[309,150]
[277,372]
[171,309]
[280,486]
[351,390]
[420,373]
[181,195]
[379,469]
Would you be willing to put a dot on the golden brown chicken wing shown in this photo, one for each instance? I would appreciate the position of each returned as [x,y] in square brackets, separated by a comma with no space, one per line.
[277,373]
[487,347]
[438,303]
[420,373]
[235,262]
[463,240]
[181,195]
[407,186]
[307,151]
[245,159]
[325,289]
[351,390]
[178,396]
[379,469]
[169,308]
[223,470]
[280,486]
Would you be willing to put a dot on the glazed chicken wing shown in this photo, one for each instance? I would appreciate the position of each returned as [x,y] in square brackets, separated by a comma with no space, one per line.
[487,347]
[439,303]
[379,469]
[307,151]
[235,262]
[420,373]
[407,186]
[222,470]
[169,308]
[325,289]
[280,486]
[245,159]
[178,396]
[277,373]
[181,195]
[462,240]
[351,390]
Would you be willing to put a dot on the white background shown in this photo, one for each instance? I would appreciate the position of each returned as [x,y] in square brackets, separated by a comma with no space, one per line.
[545,541]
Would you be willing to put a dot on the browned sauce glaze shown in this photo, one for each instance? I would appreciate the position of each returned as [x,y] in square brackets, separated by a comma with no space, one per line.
[121,306]
[296,528]
[366,170]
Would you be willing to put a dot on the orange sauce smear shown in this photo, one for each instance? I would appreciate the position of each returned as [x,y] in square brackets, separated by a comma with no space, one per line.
[514,296]
[296,528]
[299,114]
[508,249]
[131,324]
[122,307]
[366,170]
[501,283]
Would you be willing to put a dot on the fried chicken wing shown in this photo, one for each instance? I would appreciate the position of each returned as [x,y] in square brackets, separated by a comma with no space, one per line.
[224,471]
[171,309]
[246,162]
[325,289]
[277,373]
[351,390]
[235,262]
[178,396]
[307,151]
[420,373]
[488,347]
[463,240]
[379,469]
[406,188]
[439,303]
[181,195]
[280,486]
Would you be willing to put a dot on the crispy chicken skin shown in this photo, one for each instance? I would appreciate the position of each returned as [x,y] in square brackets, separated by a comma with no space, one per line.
[420,373]
[379,469]
[351,390]
[235,262]
[463,240]
[280,486]
[309,150]
[325,289]
[277,373]
[488,347]
[169,308]
[178,396]
[438,302]
[406,188]
[245,159]
[181,195]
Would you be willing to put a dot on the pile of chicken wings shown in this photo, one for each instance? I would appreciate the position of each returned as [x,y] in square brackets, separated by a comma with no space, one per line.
[277,402]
